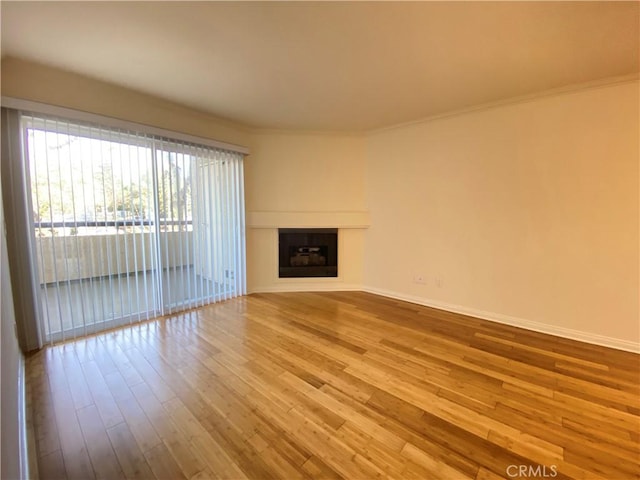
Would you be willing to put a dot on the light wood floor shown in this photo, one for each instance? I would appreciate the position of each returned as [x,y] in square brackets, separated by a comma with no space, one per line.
[330,385]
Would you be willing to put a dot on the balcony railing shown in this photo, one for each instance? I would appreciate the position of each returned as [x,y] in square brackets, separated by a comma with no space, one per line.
[68,256]
[111,223]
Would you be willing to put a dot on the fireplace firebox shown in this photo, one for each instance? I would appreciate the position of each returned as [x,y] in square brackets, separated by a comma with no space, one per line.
[308,252]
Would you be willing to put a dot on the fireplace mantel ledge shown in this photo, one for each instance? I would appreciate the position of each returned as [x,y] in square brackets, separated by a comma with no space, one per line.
[288,219]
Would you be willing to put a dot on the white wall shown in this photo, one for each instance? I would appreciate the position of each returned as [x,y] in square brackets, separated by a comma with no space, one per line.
[523,213]
[40,83]
[304,180]
[526,213]
[12,373]
[285,173]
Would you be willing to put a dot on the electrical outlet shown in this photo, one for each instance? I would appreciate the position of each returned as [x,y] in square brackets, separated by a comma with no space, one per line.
[438,281]
[418,278]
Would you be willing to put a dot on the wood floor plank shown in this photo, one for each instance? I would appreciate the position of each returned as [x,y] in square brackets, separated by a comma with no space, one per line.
[51,466]
[43,418]
[104,401]
[74,451]
[77,385]
[142,430]
[132,460]
[103,458]
[190,462]
[162,464]
[120,360]
[317,469]
[331,385]
[201,442]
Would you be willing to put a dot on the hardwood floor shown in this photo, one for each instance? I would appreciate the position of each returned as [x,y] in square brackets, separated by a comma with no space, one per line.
[332,385]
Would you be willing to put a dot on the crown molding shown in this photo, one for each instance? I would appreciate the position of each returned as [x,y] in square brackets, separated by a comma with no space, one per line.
[566,90]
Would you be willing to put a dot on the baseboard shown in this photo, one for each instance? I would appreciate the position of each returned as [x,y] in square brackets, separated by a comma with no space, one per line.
[513,321]
[22,420]
[307,287]
[571,334]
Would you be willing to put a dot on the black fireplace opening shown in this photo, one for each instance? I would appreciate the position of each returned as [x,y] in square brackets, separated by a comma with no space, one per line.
[308,252]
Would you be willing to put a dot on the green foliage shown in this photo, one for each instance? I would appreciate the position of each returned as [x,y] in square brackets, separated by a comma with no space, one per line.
[90,189]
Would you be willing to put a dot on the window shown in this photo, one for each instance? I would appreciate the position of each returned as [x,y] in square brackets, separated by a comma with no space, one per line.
[127,225]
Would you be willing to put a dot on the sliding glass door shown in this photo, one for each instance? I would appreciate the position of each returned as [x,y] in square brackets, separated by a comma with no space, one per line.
[128,226]
[200,205]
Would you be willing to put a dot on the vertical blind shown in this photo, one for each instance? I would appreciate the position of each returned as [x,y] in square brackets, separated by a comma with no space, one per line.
[129,226]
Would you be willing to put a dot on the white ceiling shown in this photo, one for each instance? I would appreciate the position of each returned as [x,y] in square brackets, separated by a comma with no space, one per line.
[346,66]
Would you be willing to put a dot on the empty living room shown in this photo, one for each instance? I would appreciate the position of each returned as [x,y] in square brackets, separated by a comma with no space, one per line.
[320,240]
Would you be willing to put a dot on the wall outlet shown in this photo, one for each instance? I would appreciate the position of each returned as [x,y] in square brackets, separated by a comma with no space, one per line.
[418,278]
[439,282]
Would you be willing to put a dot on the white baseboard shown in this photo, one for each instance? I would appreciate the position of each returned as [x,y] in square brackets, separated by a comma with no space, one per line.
[513,321]
[569,333]
[22,420]
[307,287]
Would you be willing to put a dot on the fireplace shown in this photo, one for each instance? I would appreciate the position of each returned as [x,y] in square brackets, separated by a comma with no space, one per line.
[308,252]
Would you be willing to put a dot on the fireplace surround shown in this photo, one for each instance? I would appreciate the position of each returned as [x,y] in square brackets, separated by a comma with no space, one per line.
[307,252]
